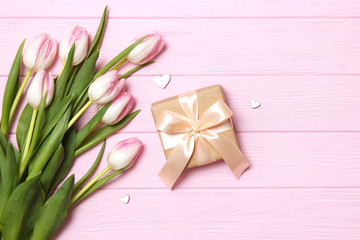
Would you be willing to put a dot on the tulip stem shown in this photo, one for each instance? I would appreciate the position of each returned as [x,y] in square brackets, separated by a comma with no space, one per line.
[62,69]
[87,186]
[23,163]
[81,111]
[18,95]
[119,64]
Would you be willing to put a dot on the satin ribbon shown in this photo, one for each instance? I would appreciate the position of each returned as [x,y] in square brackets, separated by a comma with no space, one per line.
[192,131]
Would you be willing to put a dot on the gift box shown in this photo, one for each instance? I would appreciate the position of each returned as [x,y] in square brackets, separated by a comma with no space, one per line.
[195,128]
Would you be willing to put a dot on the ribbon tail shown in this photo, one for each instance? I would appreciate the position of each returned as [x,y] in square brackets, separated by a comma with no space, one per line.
[231,154]
[177,161]
[203,154]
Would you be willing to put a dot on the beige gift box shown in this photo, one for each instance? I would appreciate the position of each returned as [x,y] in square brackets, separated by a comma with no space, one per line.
[206,97]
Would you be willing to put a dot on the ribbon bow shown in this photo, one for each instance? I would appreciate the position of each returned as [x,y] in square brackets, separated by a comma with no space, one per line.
[193,132]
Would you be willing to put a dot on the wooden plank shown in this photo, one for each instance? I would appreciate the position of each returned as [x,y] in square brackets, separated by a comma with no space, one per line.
[203,46]
[276,159]
[183,9]
[288,103]
[298,214]
[298,58]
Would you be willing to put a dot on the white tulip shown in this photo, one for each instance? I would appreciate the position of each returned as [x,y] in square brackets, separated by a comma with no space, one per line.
[41,83]
[79,36]
[40,53]
[118,109]
[147,49]
[105,88]
[124,153]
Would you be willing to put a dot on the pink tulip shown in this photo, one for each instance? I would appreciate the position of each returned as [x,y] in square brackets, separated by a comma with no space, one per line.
[40,53]
[79,36]
[118,109]
[124,153]
[147,49]
[41,82]
[105,88]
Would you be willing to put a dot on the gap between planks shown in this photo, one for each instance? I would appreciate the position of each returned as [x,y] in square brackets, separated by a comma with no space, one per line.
[184,18]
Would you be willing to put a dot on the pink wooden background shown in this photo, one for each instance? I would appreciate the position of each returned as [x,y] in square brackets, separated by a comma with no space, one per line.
[300,59]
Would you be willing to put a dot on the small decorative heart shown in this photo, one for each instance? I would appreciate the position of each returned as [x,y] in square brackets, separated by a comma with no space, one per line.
[254,103]
[162,81]
[125,199]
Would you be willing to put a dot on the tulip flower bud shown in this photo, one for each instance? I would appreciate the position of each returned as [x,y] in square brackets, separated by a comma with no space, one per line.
[40,53]
[124,153]
[41,82]
[118,109]
[105,88]
[79,36]
[147,49]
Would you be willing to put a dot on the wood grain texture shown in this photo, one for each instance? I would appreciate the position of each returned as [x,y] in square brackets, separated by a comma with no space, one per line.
[276,160]
[288,103]
[182,9]
[312,214]
[300,59]
[215,46]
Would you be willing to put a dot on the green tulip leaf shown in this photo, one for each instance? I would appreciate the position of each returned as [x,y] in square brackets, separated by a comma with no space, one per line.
[12,86]
[135,69]
[98,184]
[3,142]
[9,175]
[50,144]
[74,71]
[22,209]
[50,169]
[79,183]
[62,81]
[80,101]
[54,116]
[23,126]
[118,58]
[2,166]
[69,152]
[54,212]
[96,43]
[84,77]
[2,163]
[103,133]
[86,130]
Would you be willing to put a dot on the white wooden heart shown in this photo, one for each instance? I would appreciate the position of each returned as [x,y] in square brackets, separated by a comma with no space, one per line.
[125,199]
[254,103]
[162,81]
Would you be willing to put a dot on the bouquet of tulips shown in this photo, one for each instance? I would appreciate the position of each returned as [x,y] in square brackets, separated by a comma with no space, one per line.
[34,198]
